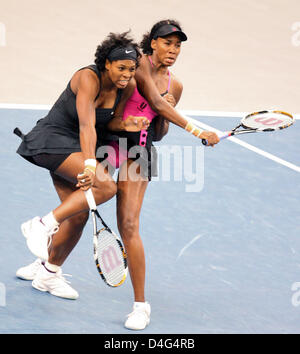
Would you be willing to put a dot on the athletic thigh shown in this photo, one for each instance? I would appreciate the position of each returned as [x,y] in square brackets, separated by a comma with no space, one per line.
[130,196]
[64,189]
[74,165]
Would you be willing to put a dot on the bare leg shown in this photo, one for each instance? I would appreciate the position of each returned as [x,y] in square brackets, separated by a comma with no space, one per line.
[104,187]
[130,197]
[70,230]
[72,214]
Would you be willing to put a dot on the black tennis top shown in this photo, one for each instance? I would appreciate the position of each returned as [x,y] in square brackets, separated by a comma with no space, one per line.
[58,132]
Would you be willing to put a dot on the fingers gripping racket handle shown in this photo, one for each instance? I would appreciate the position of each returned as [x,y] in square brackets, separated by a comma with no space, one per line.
[90,199]
[221,137]
[93,207]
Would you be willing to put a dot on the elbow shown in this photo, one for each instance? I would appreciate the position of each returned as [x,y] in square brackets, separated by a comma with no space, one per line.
[157,104]
[87,130]
[86,127]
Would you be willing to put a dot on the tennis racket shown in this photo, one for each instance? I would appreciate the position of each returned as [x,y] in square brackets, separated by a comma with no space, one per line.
[109,253]
[263,121]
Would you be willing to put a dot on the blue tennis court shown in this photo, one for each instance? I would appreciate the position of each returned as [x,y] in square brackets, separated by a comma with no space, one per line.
[224,258]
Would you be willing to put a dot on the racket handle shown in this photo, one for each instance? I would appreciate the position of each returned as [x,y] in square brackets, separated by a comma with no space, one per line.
[224,136]
[221,137]
[90,199]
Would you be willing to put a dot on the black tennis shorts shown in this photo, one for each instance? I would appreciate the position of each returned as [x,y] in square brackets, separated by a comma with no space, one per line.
[49,161]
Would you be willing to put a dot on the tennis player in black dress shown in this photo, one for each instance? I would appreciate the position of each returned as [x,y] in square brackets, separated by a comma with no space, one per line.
[65,143]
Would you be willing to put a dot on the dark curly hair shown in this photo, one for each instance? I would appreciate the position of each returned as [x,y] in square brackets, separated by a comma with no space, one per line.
[147,38]
[112,41]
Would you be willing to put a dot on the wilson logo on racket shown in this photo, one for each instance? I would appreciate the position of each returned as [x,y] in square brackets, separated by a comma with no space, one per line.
[110,259]
[268,121]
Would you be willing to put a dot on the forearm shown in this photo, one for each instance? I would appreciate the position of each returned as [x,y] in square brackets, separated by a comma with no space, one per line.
[164,109]
[116,124]
[88,139]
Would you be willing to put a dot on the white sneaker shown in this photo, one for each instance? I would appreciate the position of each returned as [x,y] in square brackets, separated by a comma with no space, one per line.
[54,283]
[38,237]
[139,318]
[30,271]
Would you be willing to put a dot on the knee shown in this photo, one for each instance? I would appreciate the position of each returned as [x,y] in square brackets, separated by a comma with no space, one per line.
[78,221]
[128,227]
[111,189]
[104,192]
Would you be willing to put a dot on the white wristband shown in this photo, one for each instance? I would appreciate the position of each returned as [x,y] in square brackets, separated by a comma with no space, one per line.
[193,129]
[90,162]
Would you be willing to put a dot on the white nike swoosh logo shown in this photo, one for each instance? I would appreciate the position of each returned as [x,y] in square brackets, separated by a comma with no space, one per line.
[128,51]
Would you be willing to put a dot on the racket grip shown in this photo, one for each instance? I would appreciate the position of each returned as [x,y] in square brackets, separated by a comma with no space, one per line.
[224,136]
[221,137]
[90,199]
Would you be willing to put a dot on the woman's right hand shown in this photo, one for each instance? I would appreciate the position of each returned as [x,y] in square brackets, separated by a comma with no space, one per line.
[211,138]
[85,179]
[136,124]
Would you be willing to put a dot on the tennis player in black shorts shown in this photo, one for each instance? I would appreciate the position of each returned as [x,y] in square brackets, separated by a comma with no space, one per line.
[65,143]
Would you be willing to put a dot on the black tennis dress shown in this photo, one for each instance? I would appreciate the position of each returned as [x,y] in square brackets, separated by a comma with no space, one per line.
[58,133]
[56,136]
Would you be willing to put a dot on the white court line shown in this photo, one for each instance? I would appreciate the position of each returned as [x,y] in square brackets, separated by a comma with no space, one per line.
[217,114]
[247,146]
[200,124]
[220,114]
[202,114]
[40,107]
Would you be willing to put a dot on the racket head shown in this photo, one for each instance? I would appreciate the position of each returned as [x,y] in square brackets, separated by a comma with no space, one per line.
[110,257]
[268,120]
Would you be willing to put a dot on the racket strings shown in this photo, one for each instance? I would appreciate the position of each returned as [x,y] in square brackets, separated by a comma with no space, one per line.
[110,257]
[268,120]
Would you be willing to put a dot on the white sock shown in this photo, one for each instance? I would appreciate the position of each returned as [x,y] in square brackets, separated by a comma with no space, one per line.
[49,221]
[53,268]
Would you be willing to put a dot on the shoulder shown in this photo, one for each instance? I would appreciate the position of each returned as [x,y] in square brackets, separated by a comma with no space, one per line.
[87,75]
[176,88]
[176,83]
[144,68]
[144,61]
[85,79]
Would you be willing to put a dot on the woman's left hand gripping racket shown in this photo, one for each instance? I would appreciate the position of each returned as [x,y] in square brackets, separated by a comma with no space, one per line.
[109,252]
